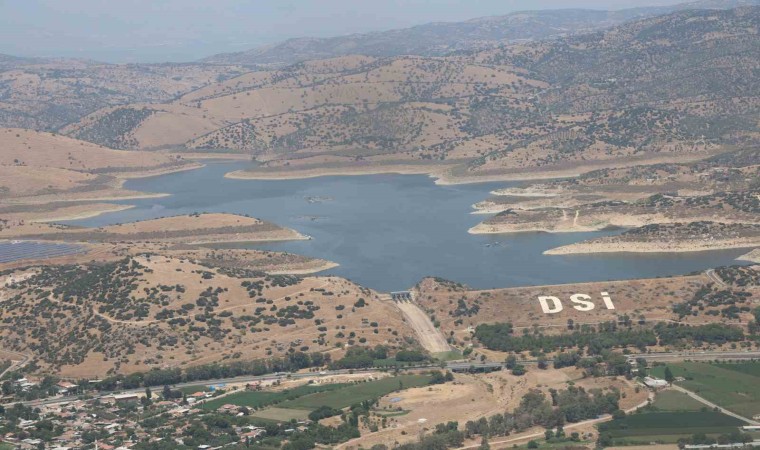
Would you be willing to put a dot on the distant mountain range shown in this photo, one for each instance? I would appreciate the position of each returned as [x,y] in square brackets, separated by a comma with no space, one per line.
[438,39]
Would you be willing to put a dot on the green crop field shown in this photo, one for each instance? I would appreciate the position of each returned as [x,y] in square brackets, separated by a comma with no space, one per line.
[188,390]
[669,426]
[749,368]
[357,393]
[676,401]
[281,414]
[258,399]
[732,386]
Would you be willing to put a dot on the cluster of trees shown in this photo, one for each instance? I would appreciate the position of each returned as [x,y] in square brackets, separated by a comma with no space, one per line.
[604,337]
[566,406]
[710,297]
[574,404]
[113,129]
[731,438]
[323,412]
[360,357]
[161,377]
[714,333]
[444,436]
[499,337]
[363,357]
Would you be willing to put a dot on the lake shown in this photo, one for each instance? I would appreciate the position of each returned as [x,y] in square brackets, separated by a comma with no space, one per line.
[389,231]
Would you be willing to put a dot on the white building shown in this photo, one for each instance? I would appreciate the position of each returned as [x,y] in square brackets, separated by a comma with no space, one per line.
[655,383]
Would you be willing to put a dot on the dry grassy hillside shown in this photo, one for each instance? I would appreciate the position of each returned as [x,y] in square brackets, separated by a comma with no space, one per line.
[50,176]
[159,311]
[192,229]
[643,92]
[693,300]
[50,93]
[40,149]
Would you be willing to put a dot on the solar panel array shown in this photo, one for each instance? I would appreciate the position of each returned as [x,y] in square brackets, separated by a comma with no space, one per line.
[18,250]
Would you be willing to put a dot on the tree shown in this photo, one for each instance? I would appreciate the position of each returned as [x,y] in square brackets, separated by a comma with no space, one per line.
[532,444]
[543,362]
[511,362]
[548,435]
[669,375]
[484,444]
[148,393]
[518,370]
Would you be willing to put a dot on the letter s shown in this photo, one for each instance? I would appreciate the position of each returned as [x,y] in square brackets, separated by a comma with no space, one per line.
[556,303]
[582,305]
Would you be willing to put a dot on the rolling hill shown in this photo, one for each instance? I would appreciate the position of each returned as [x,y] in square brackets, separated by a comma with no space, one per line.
[443,38]
[664,89]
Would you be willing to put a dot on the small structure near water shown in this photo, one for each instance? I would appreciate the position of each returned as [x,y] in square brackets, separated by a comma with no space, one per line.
[401,296]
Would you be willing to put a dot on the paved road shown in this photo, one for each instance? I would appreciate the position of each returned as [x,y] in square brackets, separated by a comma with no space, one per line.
[15,364]
[454,366]
[570,426]
[714,277]
[668,356]
[254,378]
[713,405]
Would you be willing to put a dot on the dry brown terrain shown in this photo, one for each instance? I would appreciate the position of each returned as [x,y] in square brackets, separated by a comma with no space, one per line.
[459,309]
[159,311]
[675,237]
[192,229]
[46,93]
[46,176]
[753,256]
[472,396]
[532,110]
[732,171]
[707,205]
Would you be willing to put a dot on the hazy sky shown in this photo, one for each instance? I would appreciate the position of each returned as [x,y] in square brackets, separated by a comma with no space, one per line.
[185,30]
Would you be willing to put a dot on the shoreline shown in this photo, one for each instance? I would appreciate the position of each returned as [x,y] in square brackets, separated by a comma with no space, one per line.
[482,228]
[84,214]
[321,268]
[581,248]
[298,237]
[302,174]
[148,173]
[753,256]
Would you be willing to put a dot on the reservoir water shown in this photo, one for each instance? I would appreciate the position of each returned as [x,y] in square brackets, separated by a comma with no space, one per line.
[389,231]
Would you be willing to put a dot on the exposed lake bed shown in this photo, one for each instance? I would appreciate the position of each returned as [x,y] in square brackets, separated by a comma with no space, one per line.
[388,231]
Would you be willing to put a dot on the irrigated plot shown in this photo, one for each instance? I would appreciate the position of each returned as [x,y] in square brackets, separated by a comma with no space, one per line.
[668,426]
[259,399]
[732,386]
[357,393]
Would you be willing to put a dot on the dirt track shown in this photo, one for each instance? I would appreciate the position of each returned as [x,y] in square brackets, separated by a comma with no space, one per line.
[429,336]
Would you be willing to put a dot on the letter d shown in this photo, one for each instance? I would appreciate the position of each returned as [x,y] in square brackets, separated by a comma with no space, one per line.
[556,304]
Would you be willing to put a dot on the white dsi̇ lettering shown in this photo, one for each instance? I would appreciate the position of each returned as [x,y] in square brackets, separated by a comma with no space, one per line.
[607,300]
[581,302]
[556,304]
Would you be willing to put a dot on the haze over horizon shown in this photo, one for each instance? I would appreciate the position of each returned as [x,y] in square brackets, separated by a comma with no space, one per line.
[188,30]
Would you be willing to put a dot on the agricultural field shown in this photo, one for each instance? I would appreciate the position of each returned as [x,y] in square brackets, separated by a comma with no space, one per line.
[676,401]
[276,414]
[735,387]
[297,403]
[259,399]
[668,427]
[356,393]
[749,368]
[189,390]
